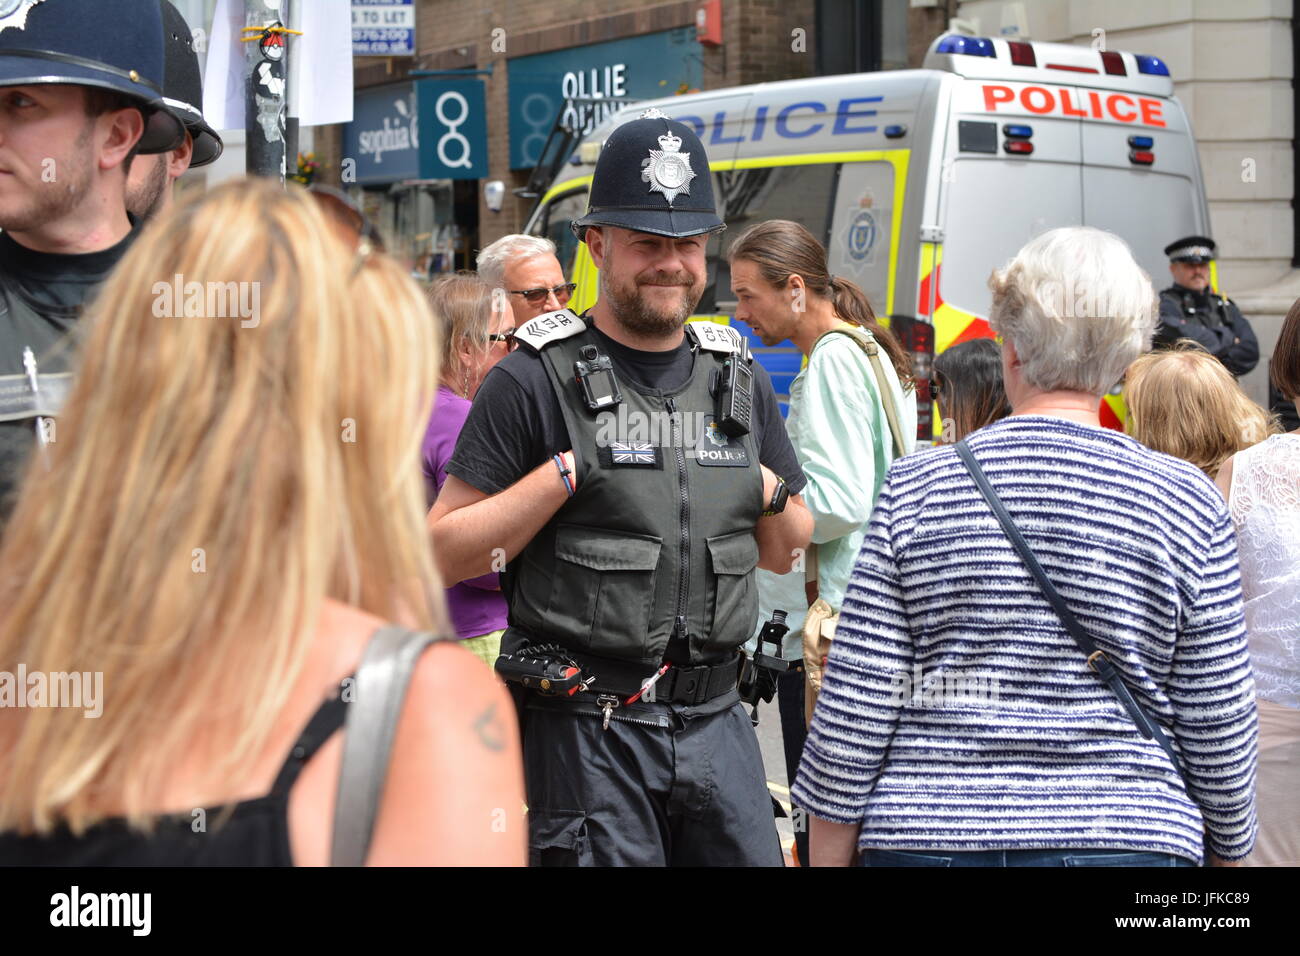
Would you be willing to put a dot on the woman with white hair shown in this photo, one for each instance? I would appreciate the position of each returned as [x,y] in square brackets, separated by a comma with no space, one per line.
[964,719]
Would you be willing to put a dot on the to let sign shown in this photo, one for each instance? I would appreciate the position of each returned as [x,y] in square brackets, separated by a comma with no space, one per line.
[383,28]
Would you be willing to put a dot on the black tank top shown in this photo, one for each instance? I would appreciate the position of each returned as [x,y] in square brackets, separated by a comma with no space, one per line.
[255,834]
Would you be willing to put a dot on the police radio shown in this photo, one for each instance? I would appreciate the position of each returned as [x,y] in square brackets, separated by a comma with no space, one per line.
[733,396]
[595,376]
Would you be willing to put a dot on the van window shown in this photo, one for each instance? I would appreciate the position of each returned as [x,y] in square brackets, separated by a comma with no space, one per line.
[747,196]
[555,226]
[1167,210]
[993,208]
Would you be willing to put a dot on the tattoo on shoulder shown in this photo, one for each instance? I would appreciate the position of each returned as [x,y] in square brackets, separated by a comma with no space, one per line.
[488,726]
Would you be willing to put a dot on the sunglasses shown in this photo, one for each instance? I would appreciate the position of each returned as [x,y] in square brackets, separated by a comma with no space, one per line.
[354,226]
[508,336]
[538,296]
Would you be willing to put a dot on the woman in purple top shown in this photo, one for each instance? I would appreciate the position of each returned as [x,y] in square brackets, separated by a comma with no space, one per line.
[477,332]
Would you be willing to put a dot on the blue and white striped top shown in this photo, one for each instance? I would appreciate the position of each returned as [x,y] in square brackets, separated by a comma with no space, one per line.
[957,713]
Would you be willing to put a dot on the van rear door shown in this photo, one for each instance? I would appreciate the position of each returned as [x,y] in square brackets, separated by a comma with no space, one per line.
[1148,206]
[992,200]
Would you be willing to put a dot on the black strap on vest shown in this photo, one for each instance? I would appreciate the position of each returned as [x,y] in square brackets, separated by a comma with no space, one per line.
[1097,660]
[324,723]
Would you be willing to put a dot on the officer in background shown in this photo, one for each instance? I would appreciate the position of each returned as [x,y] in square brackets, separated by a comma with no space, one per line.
[633,516]
[1189,310]
[148,190]
[80,96]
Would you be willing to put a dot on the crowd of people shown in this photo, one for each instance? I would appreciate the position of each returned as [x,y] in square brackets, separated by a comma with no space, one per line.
[1034,641]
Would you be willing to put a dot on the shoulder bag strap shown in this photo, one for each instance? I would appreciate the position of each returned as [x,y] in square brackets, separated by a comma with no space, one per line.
[1097,660]
[868,345]
[810,583]
[380,690]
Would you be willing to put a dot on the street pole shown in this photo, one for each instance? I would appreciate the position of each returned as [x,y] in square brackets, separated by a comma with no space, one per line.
[265,82]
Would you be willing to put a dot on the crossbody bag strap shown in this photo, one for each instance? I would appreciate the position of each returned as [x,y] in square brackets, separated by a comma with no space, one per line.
[1097,660]
[380,691]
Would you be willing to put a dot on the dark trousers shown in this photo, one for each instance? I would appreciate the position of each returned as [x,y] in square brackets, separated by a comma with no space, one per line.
[789,699]
[675,785]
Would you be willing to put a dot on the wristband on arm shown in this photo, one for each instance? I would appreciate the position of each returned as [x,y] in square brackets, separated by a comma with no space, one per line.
[566,473]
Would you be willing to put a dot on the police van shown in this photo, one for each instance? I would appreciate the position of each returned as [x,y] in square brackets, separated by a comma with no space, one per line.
[921,182]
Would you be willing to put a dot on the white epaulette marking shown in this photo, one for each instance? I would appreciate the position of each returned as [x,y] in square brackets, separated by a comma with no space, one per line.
[550,327]
[715,337]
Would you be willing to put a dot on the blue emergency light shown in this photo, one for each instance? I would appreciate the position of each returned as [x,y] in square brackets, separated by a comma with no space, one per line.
[971,46]
[1152,65]
[1021,132]
[1141,142]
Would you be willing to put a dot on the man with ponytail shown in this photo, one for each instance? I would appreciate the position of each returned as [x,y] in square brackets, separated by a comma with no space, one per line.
[838,423]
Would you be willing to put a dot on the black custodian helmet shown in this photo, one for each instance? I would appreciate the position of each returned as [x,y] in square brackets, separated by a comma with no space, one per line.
[652,176]
[183,85]
[109,44]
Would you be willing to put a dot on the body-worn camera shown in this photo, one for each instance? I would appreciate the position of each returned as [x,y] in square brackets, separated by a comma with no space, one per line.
[733,396]
[595,375]
[545,668]
[758,673]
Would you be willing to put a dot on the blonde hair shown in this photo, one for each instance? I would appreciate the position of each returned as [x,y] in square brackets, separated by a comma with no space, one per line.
[1076,306]
[464,305]
[212,483]
[1183,402]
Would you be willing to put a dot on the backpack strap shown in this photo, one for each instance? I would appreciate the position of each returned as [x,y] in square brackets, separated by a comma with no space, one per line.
[380,691]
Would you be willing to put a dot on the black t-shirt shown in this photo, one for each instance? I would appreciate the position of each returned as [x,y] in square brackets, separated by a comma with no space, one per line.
[41,298]
[516,423]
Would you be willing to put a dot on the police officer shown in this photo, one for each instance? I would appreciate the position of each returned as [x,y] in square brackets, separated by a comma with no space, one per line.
[148,190]
[80,94]
[1189,310]
[633,514]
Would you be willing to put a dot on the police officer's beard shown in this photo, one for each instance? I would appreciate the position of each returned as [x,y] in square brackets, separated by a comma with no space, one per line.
[143,201]
[636,315]
[62,187]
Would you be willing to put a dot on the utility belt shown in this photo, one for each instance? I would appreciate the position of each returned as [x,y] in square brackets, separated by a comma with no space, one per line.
[556,671]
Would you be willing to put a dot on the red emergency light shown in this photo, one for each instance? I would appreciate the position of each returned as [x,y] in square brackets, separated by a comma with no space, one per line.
[1114,63]
[1018,146]
[1143,157]
[1022,53]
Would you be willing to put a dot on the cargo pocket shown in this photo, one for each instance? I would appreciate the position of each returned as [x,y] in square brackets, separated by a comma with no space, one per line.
[735,598]
[604,589]
[558,838]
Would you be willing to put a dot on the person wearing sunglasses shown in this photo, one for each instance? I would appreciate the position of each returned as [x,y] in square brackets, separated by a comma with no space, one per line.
[526,269]
[477,331]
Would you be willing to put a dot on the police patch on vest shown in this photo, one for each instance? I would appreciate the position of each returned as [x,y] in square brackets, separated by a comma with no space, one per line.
[629,454]
[716,448]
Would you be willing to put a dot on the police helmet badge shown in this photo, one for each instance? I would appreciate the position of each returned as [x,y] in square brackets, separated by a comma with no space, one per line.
[668,170]
[13,13]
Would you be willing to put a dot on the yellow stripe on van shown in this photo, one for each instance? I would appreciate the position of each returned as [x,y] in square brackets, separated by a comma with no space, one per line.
[897,158]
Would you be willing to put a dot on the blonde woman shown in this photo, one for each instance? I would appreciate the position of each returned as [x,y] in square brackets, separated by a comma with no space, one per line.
[1183,402]
[229,514]
[477,332]
[1262,485]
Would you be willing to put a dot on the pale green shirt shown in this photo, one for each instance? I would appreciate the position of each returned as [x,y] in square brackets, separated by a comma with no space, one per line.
[838,427]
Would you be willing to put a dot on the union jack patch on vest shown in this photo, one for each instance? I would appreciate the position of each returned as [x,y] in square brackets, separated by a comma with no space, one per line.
[632,453]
